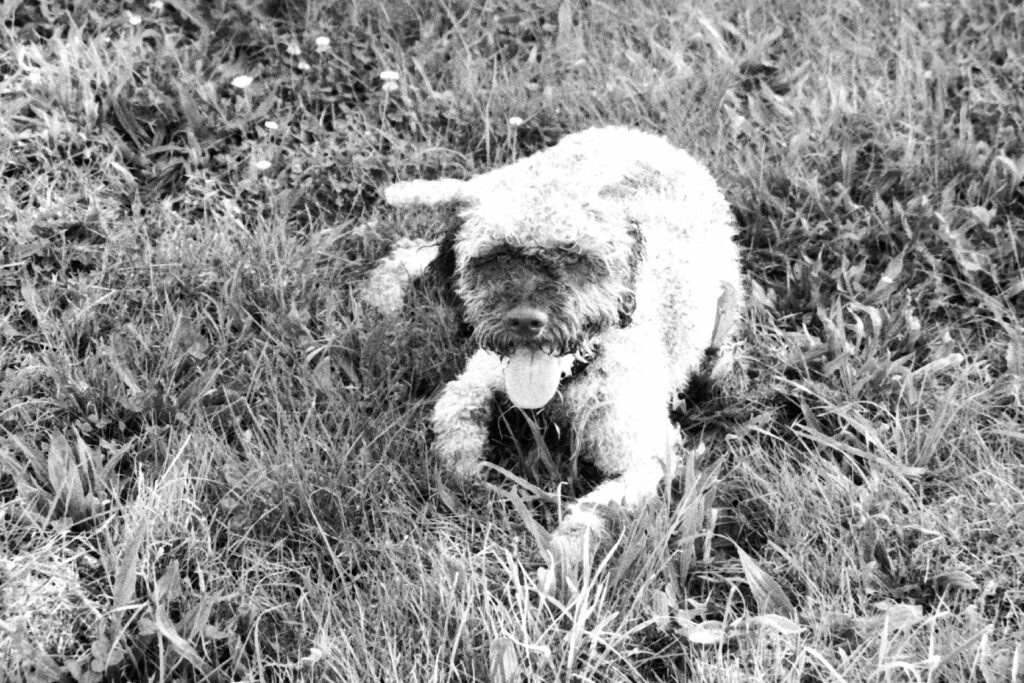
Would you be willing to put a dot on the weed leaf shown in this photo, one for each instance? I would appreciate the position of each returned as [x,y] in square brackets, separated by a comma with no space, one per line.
[541,537]
[504,661]
[899,615]
[62,469]
[127,563]
[955,579]
[772,623]
[771,599]
[166,628]
[710,632]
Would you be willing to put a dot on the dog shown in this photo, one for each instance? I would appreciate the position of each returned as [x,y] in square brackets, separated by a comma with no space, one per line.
[598,277]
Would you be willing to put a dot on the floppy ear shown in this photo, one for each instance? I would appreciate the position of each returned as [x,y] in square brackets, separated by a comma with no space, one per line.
[627,302]
[450,197]
[440,274]
[443,265]
[425,192]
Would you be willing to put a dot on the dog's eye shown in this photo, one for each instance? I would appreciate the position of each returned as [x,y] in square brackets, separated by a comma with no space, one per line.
[573,260]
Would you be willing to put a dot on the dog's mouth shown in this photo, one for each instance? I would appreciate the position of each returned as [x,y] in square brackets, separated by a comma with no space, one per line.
[556,340]
[507,346]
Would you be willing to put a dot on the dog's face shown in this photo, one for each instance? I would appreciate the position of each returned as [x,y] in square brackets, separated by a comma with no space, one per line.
[535,284]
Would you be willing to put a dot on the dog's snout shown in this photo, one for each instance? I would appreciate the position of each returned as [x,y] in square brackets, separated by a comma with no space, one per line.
[526,322]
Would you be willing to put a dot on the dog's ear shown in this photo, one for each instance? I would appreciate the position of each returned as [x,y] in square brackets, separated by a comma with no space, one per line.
[638,251]
[443,266]
[449,197]
[440,274]
[425,192]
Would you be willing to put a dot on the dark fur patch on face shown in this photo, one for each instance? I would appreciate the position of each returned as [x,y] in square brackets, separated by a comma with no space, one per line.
[555,262]
[582,294]
[576,292]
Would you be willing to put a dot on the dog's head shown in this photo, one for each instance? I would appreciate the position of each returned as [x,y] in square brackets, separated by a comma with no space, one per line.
[534,269]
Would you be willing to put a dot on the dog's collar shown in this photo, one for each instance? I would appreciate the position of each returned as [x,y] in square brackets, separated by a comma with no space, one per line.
[578,366]
[581,361]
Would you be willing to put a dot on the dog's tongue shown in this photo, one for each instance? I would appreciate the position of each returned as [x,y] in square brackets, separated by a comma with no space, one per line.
[532,377]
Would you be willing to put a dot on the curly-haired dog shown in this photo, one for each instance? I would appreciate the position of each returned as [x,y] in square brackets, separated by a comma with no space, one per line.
[595,275]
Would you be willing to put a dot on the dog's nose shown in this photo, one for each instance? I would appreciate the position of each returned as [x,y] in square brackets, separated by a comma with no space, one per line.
[526,322]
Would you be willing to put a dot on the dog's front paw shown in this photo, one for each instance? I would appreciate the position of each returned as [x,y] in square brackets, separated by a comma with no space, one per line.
[462,414]
[463,461]
[469,468]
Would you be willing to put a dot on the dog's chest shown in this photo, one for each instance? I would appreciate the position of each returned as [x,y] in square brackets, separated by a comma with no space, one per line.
[553,421]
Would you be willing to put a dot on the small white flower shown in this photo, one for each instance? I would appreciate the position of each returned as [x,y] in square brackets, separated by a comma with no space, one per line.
[389,86]
[389,76]
[261,165]
[157,5]
[241,82]
[293,49]
[134,19]
[271,125]
[515,121]
[303,65]
[323,44]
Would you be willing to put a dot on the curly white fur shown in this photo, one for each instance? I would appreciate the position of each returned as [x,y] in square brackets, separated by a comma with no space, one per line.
[624,243]
[424,192]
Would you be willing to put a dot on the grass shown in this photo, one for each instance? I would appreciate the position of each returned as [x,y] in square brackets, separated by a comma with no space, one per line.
[213,461]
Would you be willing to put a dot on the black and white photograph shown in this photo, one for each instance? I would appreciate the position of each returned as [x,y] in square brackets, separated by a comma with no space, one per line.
[501,341]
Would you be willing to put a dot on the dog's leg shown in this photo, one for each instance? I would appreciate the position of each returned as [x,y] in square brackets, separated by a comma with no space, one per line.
[620,420]
[462,415]
[583,526]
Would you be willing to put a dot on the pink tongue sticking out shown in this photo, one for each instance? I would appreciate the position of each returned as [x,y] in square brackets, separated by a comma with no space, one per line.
[532,377]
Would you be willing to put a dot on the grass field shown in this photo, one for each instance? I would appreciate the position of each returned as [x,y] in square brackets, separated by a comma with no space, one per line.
[213,459]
